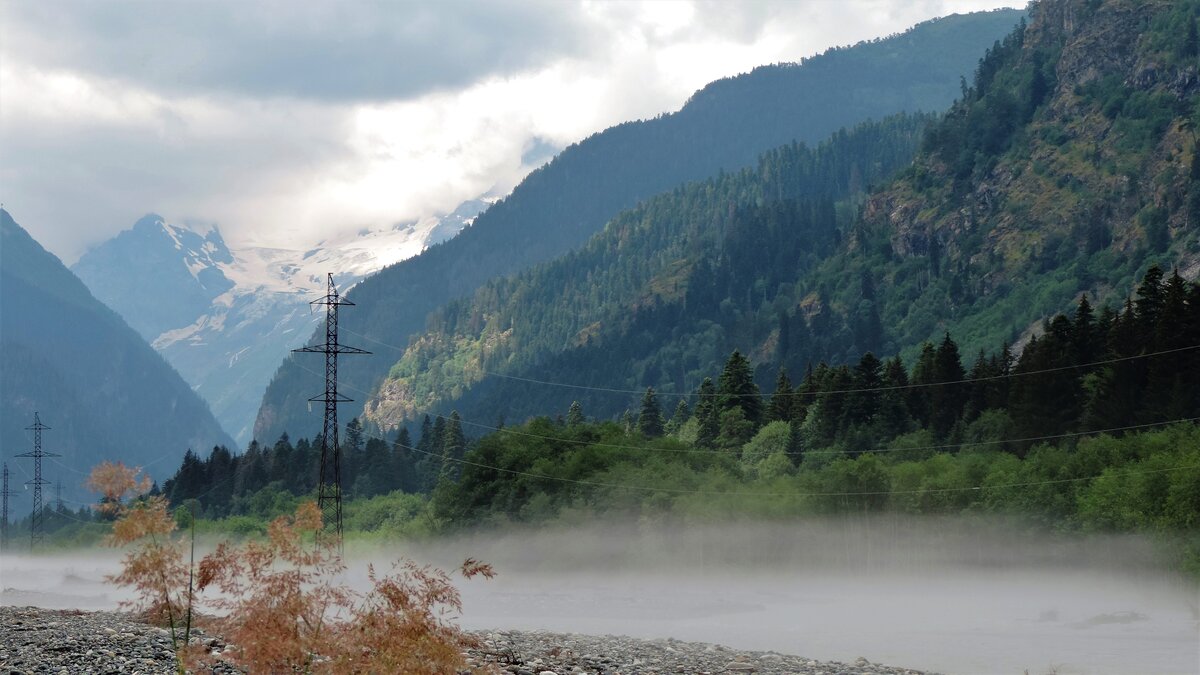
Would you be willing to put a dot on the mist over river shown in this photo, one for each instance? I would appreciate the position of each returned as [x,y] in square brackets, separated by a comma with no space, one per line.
[953,596]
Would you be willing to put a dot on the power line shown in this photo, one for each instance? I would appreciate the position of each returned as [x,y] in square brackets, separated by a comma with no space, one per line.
[658,392]
[747,493]
[329,486]
[615,446]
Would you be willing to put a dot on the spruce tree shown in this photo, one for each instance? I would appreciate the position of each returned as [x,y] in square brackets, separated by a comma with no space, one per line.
[946,400]
[863,404]
[781,400]
[454,445]
[650,422]
[575,414]
[679,418]
[707,414]
[401,476]
[736,388]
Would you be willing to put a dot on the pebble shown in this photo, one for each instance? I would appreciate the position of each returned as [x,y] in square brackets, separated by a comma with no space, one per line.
[71,642]
[34,640]
[546,653]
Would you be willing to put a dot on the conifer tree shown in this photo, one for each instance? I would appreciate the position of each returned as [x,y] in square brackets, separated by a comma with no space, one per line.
[781,400]
[736,388]
[946,400]
[575,414]
[707,414]
[650,422]
[454,445]
[679,418]
[863,404]
[402,474]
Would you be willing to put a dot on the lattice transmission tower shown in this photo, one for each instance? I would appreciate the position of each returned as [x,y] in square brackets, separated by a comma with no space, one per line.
[5,493]
[329,487]
[35,519]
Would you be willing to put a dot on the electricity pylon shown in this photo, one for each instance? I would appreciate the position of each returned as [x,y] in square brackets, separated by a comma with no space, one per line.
[5,493]
[35,520]
[329,487]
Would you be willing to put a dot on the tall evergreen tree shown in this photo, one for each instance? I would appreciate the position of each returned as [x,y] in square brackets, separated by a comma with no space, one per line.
[650,421]
[454,446]
[782,399]
[736,388]
[403,470]
[707,415]
[679,418]
[575,414]
[946,400]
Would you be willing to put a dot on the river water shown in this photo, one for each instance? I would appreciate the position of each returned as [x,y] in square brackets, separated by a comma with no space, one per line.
[945,597]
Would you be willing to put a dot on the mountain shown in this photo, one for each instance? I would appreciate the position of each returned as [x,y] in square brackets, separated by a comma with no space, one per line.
[1068,169]
[104,392]
[224,318]
[723,127]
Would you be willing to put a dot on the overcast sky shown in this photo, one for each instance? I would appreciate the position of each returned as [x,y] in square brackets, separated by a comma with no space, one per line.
[289,122]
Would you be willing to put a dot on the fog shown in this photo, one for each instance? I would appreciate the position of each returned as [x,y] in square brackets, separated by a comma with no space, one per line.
[955,595]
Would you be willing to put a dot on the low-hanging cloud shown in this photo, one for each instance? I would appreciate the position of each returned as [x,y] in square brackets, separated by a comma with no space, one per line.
[290,123]
[330,51]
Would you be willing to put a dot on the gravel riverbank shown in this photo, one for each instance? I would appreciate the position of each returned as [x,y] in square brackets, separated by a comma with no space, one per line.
[34,640]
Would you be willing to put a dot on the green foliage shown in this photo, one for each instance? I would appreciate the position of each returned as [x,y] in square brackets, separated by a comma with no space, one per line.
[724,127]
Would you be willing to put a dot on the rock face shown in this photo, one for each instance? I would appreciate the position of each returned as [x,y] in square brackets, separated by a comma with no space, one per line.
[1101,162]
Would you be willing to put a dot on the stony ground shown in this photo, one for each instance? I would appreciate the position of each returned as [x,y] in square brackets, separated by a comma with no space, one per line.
[34,640]
[539,653]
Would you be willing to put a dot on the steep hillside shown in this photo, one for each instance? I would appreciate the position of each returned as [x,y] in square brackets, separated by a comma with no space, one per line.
[224,318]
[1066,169]
[104,391]
[662,294]
[725,126]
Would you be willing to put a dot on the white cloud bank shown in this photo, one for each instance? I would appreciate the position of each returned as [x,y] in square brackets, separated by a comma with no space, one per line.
[287,123]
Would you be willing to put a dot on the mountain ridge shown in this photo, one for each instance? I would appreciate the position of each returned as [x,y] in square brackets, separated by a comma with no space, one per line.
[560,205]
[222,316]
[106,393]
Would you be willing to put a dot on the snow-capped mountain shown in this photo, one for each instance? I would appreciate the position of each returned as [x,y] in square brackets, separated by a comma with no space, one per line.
[225,318]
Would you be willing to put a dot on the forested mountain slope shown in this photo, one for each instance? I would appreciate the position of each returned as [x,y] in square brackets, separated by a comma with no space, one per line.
[662,294]
[724,126]
[106,394]
[1067,168]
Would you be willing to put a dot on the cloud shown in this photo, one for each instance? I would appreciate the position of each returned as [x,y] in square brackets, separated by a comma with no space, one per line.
[313,50]
[289,123]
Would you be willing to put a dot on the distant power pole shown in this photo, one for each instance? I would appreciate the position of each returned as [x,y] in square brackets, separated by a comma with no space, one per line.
[35,519]
[329,487]
[58,500]
[5,493]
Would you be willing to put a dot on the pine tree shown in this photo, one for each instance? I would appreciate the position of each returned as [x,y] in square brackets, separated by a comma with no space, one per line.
[650,422]
[893,408]
[781,400]
[575,414]
[736,388]
[946,400]
[402,475]
[454,446]
[863,404]
[707,414]
[679,418]
[425,444]
[924,374]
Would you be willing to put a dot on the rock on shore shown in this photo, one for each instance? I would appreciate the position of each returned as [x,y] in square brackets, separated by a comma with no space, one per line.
[35,640]
[540,653]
